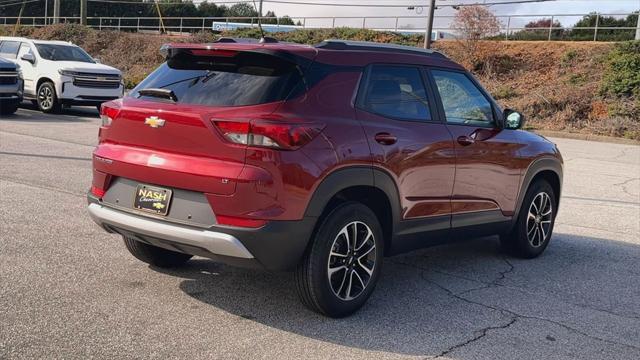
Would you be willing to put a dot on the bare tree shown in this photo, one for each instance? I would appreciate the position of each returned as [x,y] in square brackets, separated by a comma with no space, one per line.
[474,23]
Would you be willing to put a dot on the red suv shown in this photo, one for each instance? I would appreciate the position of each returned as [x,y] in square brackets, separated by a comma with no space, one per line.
[317,159]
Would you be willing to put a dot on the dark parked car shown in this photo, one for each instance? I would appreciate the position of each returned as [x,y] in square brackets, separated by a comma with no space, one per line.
[317,159]
[11,87]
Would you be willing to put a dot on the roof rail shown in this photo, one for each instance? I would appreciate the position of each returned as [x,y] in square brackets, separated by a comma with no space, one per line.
[236,40]
[268,40]
[333,44]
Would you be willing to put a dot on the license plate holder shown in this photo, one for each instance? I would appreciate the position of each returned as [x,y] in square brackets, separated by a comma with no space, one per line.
[152,199]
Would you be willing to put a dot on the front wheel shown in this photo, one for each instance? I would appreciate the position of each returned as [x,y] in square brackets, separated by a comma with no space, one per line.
[47,99]
[534,226]
[340,269]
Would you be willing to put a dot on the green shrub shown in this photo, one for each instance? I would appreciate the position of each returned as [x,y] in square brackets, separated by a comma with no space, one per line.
[622,74]
[504,92]
[577,79]
[568,58]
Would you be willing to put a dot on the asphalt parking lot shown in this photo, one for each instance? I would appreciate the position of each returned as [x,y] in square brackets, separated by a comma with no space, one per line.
[70,290]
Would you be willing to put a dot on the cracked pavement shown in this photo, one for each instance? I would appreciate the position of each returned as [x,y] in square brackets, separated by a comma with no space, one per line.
[69,290]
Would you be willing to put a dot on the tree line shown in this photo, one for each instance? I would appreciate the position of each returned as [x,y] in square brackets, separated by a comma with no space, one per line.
[144,8]
[538,29]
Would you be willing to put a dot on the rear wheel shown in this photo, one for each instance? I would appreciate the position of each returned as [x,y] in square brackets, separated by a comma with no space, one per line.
[339,271]
[532,233]
[154,255]
[47,99]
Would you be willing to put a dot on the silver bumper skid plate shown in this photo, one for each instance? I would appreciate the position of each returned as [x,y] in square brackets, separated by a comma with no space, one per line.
[215,242]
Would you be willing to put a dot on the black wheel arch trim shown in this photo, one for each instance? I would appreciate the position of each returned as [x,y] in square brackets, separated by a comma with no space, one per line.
[352,176]
[536,167]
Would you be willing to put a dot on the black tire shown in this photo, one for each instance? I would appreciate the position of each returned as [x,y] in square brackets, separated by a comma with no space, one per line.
[47,99]
[533,230]
[312,278]
[154,255]
[8,109]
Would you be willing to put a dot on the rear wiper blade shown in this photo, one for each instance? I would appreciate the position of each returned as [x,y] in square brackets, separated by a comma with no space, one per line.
[159,93]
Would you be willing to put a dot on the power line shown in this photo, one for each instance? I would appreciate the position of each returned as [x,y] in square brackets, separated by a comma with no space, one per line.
[338,4]
[17,2]
[169,3]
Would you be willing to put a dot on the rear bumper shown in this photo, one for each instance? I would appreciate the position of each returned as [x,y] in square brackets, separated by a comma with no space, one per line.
[277,246]
[211,241]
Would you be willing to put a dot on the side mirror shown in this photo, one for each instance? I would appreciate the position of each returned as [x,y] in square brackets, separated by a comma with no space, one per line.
[513,120]
[29,57]
[97,60]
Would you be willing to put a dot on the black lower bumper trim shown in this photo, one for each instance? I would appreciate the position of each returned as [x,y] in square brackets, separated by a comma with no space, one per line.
[277,246]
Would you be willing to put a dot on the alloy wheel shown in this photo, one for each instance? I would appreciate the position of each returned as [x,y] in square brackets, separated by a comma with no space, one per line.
[539,219]
[45,97]
[352,260]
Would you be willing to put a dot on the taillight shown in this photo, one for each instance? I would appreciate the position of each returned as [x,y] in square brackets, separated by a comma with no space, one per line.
[108,113]
[272,134]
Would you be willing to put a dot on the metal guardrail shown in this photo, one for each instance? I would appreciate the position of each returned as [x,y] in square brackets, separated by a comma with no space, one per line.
[192,24]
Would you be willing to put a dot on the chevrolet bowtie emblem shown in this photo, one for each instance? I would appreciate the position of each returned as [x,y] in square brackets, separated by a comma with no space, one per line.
[154,121]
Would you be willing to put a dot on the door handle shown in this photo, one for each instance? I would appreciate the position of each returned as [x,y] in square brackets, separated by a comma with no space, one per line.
[385,138]
[466,140]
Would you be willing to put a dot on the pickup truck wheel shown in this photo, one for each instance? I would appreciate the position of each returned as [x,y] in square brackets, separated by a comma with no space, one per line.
[8,109]
[341,267]
[534,226]
[154,255]
[47,98]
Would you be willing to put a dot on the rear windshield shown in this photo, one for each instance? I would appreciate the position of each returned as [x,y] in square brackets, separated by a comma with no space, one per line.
[242,79]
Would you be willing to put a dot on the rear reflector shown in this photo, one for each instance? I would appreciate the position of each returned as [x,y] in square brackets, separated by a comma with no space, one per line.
[97,192]
[263,133]
[240,222]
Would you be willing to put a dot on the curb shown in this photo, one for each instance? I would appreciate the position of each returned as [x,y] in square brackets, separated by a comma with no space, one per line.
[587,137]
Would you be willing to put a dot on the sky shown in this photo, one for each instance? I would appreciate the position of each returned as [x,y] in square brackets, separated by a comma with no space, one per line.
[536,9]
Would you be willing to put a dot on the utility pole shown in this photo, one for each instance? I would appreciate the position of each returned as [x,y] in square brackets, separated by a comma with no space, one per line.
[638,28]
[83,12]
[427,35]
[56,11]
[46,7]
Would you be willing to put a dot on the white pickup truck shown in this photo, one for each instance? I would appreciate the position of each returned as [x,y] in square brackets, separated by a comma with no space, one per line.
[58,73]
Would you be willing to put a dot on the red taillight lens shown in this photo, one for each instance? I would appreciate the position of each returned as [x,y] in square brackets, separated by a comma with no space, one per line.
[265,133]
[240,222]
[107,113]
[97,192]
[235,132]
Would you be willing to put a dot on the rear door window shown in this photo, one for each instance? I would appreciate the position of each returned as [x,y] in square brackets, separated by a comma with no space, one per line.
[396,92]
[244,78]
[9,49]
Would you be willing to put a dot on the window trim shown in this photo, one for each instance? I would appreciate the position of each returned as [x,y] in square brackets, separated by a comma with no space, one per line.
[12,41]
[495,110]
[364,83]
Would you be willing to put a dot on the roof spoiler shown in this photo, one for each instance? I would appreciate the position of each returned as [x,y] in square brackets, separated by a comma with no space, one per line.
[333,44]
